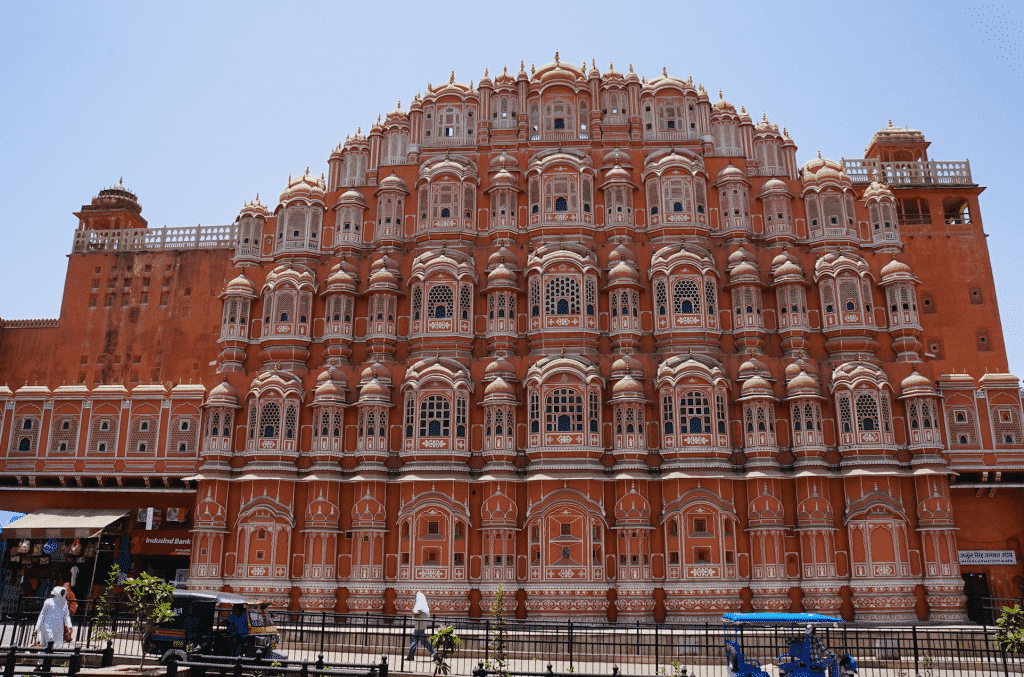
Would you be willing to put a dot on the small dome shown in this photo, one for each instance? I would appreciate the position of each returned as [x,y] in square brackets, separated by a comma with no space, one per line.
[626,364]
[914,381]
[616,156]
[731,173]
[618,174]
[501,276]
[223,393]
[627,386]
[330,384]
[774,186]
[745,269]
[240,286]
[827,173]
[753,366]
[739,255]
[877,190]
[756,386]
[373,390]
[505,161]
[255,208]
[393,182]
[499,387]
[375,370]
[383,276]
[782,257]
[802,380]
[623,272]
[340,279]
[503,178]
[894,267]
[723,105]
[788,268]
[352,197]
[503,255]
[499,367]
[801,364]
[308,185]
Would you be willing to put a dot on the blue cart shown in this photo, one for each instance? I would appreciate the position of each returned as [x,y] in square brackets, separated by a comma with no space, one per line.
[807,656]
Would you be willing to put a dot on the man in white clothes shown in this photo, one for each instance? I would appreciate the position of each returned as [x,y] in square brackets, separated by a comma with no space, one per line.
[421,614]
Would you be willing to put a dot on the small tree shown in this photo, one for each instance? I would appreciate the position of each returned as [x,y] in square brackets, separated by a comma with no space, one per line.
[1011,629]
[105,607]
[149,600]
[445,643]
[499,663]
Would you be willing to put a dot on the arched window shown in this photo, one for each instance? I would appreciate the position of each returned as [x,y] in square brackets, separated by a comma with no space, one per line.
[440,302]
[695,410]
[561,204]
[563,411]
[685,298]
[25,444]
[867,413]
[562,296]
[435,416]
[270,420]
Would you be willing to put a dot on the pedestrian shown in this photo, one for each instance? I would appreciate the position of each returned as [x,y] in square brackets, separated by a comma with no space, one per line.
[238,629]
[421,614]
[54,622]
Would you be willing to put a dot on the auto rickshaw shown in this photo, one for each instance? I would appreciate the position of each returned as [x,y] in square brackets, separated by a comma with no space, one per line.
[198,627]
[807,655]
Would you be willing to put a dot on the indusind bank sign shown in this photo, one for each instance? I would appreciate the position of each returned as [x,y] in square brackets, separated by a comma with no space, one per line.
[162,542]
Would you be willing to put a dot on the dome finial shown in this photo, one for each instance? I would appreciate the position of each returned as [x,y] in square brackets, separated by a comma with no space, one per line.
[505,70]
[399,105]
[819,153]
[556,56]
[451,80]
[630,66]
[890,123]
[720,93]
[664,71]
[485,72]
[593,63]
[764,117]
[120,181]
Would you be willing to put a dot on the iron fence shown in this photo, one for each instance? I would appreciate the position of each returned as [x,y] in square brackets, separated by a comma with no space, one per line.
[588,648]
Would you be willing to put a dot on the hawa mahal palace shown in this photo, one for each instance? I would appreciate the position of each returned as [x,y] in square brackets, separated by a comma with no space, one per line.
[595,338]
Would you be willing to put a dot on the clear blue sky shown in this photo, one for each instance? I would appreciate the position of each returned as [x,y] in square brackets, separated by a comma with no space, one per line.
[201,105]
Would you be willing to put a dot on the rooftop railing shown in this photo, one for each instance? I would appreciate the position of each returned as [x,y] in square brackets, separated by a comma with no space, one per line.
[909,173]
[155,239]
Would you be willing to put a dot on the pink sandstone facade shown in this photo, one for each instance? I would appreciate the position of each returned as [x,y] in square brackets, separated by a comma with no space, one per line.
[594,338]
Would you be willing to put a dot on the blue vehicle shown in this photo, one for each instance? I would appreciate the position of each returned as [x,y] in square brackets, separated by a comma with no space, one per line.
[807,656]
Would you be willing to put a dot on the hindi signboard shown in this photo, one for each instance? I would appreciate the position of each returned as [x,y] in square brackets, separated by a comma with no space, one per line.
[987,557]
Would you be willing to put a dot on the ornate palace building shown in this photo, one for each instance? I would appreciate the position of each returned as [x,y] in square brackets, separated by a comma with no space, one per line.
[595,338]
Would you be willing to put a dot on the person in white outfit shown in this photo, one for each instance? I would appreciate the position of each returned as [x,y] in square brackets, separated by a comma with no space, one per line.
[421,614]
[54,619]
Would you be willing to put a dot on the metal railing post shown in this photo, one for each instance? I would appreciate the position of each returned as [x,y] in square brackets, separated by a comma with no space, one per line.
[323,631]
[382,671]
[405,641]
[75,664]
[657,651]
[108,655]
[917,667]
[487,640]
[47,658]
[172,665]
[10,662]
[570,646]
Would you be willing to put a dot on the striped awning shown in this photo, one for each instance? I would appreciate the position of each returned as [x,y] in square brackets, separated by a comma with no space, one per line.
[71,523]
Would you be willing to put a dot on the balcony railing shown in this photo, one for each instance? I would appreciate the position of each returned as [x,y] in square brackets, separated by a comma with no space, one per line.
[910,173]
[671,134]
[615,119]
[143,239]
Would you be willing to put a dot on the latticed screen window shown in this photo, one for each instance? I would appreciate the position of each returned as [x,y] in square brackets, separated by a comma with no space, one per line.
[828,297]
[562,296]
[1006,425]
[867,413]
[845,414]
[832,207]
[534,413]
[64,434]
[695,410]
[445,200]
[183,436]
[811,205]
[535,297]
[668,414]
[440,302]
[103,434]
[417,301]
[595,412]
[709,296]
[661,298]
[270,420]
[285,307]
[410,414]
[883,400]
[652,196]
[591,296]
[560,194]
[685,298]
[465,302]
[677,196]
[290,421]
[563,411]
[252,420]
[142,439]
[720,413]
[962,431]
[460,417]
[435,416]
